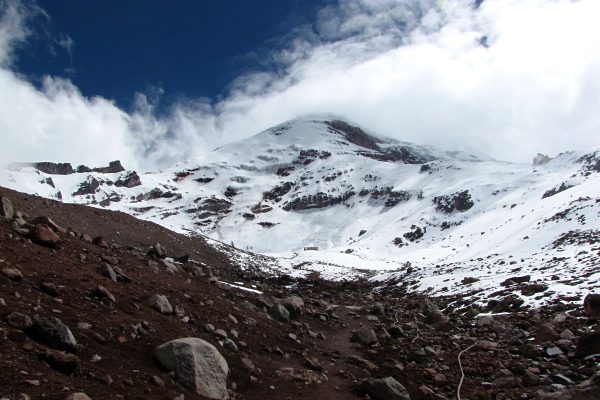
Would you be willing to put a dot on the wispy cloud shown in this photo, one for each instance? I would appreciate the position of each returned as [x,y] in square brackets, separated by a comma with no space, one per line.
[411,69]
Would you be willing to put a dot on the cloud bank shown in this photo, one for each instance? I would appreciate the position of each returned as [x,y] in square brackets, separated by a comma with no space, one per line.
[509,77]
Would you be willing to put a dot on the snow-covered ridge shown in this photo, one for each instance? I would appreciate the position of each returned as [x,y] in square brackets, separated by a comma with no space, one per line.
[361,204]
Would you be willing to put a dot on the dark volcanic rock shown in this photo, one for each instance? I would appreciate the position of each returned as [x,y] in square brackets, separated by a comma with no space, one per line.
[364,335]
[113,167]
[90,186]
[53,332]
[385,389]
[591,305]
[563,186]
[589,344]
[54,168]
[60,361]
[459,201]
[129,180]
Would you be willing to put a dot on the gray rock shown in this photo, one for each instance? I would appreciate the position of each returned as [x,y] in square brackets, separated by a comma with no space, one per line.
[279,313]
[160,303]
[385,389]
[230,345]
[106,270]
[7,210]
[12,273]
[103,293]
[220,333]
[54,333]
[364,335]
[294,304]
[198,366]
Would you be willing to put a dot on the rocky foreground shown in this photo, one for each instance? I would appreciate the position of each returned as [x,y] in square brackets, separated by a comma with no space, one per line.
[91,306]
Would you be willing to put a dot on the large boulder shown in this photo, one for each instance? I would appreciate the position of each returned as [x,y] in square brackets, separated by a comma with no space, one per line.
[198,366]
[294,304]
[160,303]
[45,236]
[385,389]
[53,332]
[364,335]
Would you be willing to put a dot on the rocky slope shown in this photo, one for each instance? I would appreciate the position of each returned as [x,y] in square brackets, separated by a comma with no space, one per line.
[90,304]
[318,195]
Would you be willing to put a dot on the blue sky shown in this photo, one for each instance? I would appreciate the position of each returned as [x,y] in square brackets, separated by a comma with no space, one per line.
[116,48]
[153,83]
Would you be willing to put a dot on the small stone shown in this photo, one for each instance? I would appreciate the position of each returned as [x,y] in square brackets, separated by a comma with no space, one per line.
[103,293]
[157,381]
[230,345]
[49,288]
[18,320]
[60,361]
[12,273]
[220,333]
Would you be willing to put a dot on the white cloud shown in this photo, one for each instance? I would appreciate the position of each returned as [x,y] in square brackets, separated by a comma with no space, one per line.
[410,69]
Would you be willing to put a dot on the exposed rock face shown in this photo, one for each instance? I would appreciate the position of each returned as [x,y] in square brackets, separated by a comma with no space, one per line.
[319,200]
[294,304]
[54,168]
[561,188]
[459,201]
[278,191]
[129,180]
[54,333]
[113,167]
[385,389]
[90,186]
[353,134]
[198,366]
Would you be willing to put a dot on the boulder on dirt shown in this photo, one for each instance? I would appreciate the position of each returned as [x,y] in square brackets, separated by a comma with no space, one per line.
[364,335]
[198,366]
[60,361]
[45,236]
[53,332]
[591,305]
[279,313]
[385,389]
[48,221]
[7,210]
[160,303]
[106,270]
[294,304]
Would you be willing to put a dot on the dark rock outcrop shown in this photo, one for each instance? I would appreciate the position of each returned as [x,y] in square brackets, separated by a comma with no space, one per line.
[459,201]
[129,180]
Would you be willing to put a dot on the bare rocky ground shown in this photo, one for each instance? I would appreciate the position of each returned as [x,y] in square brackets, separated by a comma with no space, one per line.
[340,342]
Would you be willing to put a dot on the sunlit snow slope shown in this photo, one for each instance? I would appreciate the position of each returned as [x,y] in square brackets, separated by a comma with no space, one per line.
[322,195]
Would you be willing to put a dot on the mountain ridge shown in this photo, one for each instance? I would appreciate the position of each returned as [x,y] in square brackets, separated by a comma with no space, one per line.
[370,206]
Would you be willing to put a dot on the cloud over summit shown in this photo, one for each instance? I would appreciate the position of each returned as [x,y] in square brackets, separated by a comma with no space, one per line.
[510,78]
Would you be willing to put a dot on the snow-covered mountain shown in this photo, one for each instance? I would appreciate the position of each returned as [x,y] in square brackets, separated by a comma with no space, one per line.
[321,195]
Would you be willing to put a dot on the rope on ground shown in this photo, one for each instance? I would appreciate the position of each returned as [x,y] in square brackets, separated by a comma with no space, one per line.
[462,372]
